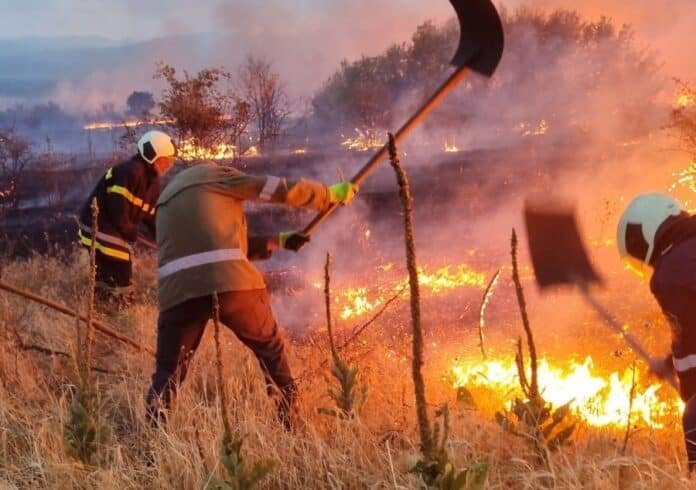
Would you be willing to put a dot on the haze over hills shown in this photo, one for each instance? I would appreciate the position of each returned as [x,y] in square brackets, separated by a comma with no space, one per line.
[34,67]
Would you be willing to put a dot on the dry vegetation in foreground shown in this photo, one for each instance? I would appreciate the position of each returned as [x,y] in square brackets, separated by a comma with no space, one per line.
[373,449]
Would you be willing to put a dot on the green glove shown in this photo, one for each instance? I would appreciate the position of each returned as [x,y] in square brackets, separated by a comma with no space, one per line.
[292,240]
[343,192]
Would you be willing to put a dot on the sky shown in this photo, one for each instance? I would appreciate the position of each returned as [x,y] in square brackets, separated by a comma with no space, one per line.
[667,26]
[137,20]
[304,39]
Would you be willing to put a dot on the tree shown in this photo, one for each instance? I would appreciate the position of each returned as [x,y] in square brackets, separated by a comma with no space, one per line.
[15,154]
[363,93]
[558,69]
[204,108]
[140,104]
[267,99]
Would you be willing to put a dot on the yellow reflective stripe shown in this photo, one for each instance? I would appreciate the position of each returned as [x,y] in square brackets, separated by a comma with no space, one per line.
[117,189]
[111,252]
[136,201]
[109,174]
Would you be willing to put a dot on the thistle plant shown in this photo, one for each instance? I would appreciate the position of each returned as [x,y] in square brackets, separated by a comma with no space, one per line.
[348,395]
[84,431]
[541,425]
[435,468]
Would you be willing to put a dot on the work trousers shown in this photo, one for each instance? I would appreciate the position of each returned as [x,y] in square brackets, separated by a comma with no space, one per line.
[113,281]
[113,273]
[687,388]
[180,329]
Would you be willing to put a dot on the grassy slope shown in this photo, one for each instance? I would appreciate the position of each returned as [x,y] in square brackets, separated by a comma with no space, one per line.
[371,452]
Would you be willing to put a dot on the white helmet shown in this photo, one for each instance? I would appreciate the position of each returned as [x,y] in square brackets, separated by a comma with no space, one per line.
[639,224]
[156,144]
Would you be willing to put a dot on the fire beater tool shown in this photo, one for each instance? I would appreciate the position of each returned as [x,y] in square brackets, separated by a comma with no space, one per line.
[481,45]
[560,258]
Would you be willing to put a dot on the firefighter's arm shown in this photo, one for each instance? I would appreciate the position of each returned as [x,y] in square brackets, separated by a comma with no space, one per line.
[279,190]
[119,202]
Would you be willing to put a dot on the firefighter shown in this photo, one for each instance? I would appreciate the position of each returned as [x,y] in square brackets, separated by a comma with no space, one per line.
[204,248]
[126,195]
[656,232]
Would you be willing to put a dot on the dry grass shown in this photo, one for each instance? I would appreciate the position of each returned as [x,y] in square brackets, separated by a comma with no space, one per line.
[371,451]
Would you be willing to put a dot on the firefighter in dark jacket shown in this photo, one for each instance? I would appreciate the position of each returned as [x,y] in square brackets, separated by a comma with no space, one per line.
[126,195]
[204,248]
[655,231]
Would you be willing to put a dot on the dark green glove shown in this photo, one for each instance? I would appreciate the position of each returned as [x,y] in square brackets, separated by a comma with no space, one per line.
[292,240]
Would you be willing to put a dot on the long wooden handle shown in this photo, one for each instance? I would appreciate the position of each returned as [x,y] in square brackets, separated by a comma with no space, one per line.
[414,121]
[99,326]
[611,321]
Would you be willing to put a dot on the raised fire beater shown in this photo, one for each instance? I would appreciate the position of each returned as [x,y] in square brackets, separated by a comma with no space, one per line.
[126,195]
[655,231]
[204,248]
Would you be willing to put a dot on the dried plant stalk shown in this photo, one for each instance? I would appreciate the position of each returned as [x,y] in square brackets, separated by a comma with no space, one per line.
[418,382]
[487,295]
[219,367]
[534,385]
[327,300]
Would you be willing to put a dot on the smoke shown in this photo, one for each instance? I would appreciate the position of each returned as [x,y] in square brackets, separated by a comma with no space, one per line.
[603,143]
[665,26]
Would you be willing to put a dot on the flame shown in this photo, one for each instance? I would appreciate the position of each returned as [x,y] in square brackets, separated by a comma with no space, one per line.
[451,147]
[356,302]
[252,152]
[108,125]
[600,401]
[528,130]
[299,151]
[364,141]
[134,123]
[188,151]
[685,100]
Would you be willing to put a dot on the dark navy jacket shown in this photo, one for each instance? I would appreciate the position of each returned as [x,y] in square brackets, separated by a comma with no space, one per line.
[126,195]
[674,286]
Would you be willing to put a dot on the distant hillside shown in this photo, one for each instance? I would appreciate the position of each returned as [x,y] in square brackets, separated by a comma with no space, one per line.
[31,67]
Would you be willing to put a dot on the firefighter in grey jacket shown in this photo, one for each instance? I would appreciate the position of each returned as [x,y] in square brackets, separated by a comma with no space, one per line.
[203,248]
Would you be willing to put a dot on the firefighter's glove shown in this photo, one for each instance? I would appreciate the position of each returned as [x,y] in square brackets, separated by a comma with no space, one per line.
[342,193]
[292,240]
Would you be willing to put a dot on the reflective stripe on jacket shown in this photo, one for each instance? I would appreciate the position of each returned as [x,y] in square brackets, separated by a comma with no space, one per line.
[108,245]
[202,241]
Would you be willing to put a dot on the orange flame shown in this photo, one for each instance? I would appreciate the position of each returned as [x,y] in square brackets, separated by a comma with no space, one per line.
[356,302]
[364,141]
[600,401]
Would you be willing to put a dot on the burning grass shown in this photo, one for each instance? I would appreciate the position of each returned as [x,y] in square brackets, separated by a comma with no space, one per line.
[373,449]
